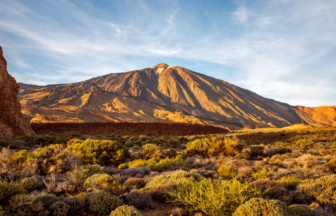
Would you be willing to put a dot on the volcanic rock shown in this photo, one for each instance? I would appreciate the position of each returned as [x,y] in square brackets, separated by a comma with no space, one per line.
[12,121]
[163,93]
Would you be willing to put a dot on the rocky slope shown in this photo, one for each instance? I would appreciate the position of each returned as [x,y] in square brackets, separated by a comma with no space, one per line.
[161,93]
[12,122]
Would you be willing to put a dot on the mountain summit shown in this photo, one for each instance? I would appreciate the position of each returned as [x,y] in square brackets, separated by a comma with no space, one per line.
[163,93]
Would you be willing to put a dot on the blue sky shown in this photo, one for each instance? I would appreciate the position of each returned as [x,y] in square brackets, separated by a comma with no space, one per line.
[280,49]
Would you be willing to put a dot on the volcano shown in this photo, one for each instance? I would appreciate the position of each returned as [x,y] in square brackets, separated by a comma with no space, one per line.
[163,93]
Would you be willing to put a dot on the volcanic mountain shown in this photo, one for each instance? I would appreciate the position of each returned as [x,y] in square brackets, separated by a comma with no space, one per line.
[163,94]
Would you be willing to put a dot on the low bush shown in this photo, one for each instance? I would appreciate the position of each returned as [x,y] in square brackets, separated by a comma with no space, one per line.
[230,148]
[92,169]
[322,189]
[198,146]
[227,172]
[102,152]
[123,166]
[332,165]
[19,159]
[204,146]
[299,210]
[105,182]
[102,203]
[31,184]
[53,153]
[174,178]
[10,189]
[213,197]
[290,182]
[151,151]
[47,200]
[263,173]
[74,141]
[51,138]
[24,205]
[126,211]
[76,205]
[174,143]
[256,150]
[261,207]
[282,150]
[161,164]
[59,209]
[135,183]
[139,199]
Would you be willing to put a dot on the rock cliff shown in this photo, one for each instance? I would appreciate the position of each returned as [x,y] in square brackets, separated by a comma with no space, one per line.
[12,121]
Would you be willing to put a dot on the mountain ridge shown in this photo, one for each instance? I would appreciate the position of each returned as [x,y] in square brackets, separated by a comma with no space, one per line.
[161,93]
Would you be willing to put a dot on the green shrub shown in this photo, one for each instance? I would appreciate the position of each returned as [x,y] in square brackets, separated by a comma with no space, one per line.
[231,147]
[322,189]
[53,153]
[92,169]
[176,178]
[332,165]
[59,209]
[261,207]
[290,182]
[101,152]
[74,141]
[126,211]
[159,165]
[227,172]
[282,150]
[20,158]
[213,197]
[156,141]
[299,210]
[24,205]
[102,203]
[151,151]
[51,138]
[10,189]
[31,184]
[106,182]
[46,200]
[256,150]
[76,205]
[263,173]
[123,166]
[197,147]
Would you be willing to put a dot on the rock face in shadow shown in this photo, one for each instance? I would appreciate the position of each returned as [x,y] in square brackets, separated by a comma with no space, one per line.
[162,93]
[12,121]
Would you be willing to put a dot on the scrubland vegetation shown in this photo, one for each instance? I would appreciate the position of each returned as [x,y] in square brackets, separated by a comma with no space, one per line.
[286,172]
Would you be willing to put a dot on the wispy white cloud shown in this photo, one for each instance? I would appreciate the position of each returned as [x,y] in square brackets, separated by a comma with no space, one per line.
[241,15]
[279,49]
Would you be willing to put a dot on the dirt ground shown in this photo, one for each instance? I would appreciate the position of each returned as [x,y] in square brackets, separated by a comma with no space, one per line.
[140,128]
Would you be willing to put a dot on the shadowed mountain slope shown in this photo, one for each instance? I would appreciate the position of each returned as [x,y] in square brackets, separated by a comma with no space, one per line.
[162,93]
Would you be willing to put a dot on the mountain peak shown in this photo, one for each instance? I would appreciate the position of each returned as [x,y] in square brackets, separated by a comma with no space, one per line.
[160,65]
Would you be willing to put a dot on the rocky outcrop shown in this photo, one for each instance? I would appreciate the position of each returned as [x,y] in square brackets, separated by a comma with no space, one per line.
[12,121]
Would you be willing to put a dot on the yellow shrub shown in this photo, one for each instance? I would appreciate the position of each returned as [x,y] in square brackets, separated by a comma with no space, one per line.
[227,172]
[213,197]
[101,152]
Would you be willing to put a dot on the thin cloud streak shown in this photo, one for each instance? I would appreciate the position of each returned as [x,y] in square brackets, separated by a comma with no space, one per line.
[276,42]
